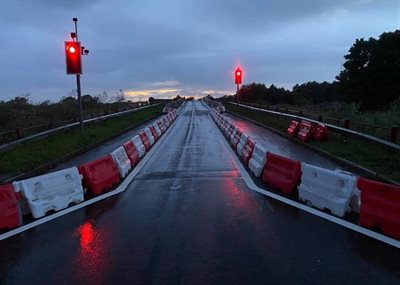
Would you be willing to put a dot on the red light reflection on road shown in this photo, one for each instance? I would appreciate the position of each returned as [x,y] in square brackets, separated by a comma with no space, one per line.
[92,259]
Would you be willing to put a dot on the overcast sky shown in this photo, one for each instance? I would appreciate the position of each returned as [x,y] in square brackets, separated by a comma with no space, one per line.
[165,48]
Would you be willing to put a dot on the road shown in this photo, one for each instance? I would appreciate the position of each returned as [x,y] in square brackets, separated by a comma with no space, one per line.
[189,218]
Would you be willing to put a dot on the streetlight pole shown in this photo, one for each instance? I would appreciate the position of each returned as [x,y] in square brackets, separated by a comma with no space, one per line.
[78,85]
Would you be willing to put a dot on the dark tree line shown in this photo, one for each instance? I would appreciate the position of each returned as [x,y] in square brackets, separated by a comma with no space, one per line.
[20,112]
[370,76]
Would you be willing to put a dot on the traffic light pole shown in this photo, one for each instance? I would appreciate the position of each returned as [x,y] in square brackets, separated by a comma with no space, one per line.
[78,90]
[78,86]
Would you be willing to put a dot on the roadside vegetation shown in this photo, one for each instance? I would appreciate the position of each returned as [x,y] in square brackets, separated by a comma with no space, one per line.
[374,157]
[20,112]
[36,153]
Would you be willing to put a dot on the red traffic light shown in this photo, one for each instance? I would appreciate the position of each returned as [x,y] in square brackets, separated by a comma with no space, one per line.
[238,76]
[73,57]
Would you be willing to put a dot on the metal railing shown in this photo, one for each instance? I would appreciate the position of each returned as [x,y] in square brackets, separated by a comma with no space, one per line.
[50,131]
[344,130]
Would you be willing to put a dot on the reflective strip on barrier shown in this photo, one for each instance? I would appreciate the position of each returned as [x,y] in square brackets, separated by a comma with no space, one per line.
[380,206]
[122,161]
[100,175]
[137,141]
[326,189]
[9,213]
[282,173]
[51,191]
[258,160]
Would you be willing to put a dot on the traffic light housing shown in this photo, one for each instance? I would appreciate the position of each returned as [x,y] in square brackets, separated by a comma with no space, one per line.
[238,76]
[73,57]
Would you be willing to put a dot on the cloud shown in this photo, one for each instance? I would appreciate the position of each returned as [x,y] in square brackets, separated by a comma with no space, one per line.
[165,83]
[187,46]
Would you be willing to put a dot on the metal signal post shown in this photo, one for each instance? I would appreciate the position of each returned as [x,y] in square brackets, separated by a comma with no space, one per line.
[73,55]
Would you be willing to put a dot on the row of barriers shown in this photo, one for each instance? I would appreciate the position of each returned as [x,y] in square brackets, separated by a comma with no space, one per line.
[377,204]
[58,190]
[305,130]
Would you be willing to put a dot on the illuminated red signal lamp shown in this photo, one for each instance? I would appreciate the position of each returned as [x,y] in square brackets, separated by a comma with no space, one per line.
[238,76]
[73,57]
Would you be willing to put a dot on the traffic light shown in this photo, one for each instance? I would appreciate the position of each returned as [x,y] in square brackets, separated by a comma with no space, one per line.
[73,57]
[238,76]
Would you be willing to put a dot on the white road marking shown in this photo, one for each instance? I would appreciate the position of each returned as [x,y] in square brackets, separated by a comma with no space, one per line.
[118,190]
[251,185]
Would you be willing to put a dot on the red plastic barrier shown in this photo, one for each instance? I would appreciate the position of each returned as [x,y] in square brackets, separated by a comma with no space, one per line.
[380,206]
[321,132]
[306,130]
[247,151]
[282,173]
[99,175]
[236,138]
[154,133]
[145,140]
[293,129]
[132,152]
[9,214]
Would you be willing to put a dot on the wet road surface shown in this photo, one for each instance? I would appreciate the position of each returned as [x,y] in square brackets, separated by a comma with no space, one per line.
[188,218]
[280,145]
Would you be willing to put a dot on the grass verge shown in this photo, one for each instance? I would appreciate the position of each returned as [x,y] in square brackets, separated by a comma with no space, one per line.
[383,161]
[31,155]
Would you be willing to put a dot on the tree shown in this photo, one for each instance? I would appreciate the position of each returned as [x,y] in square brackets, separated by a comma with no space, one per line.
[152,100]
[372,71]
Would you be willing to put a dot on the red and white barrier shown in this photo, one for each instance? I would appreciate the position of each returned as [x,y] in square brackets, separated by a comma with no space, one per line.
[326,189]
[139,145]
[149,135]
[258,160]
[51,191]
[243,139]
[121,161]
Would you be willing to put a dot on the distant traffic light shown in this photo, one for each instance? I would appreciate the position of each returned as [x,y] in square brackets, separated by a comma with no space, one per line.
[73,57]
[238,76]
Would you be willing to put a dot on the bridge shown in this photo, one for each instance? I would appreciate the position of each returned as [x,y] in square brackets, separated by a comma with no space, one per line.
[190,212]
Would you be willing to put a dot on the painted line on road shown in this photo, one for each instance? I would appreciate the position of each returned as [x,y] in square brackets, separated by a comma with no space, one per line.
[118,190]
[251,185]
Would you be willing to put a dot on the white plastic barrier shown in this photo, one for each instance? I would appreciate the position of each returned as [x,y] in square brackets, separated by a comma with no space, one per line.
[149,135]
[355,201]
[326,189]
[258,160]
[234,131]
[241,143]
[157,128]
[227,126]
[51,191]
[122,161]
[139,145]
